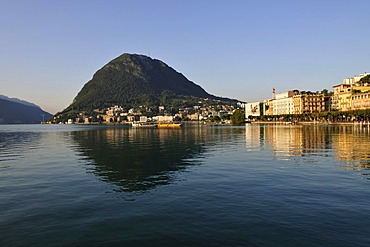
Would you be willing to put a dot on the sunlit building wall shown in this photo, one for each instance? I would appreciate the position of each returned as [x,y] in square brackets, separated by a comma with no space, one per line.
[308,102]
[341,100]
[252,109]
[361,101]
[268,107]
[283,104]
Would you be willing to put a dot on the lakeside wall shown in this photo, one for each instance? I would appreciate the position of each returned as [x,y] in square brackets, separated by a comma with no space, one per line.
[364,123]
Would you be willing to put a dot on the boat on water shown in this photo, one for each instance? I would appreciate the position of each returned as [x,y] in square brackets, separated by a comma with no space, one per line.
[169,125]
[143,125]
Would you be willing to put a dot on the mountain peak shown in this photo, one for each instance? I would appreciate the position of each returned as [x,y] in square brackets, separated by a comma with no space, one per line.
[132,80]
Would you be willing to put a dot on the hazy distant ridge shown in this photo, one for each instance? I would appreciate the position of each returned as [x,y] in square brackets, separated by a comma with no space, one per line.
[18,101]
[16,111]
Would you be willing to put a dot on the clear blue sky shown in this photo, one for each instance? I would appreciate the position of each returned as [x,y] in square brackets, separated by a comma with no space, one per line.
[239,49]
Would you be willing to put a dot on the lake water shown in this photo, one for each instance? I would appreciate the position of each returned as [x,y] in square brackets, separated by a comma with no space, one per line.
[201,185]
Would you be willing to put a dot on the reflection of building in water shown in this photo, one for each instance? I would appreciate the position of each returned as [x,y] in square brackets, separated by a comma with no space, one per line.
[284,140]
[315,139]
[288,140]
[281,139]
[351,145]
[254,136]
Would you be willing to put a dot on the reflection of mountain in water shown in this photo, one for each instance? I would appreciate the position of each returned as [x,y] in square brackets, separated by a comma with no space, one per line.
[139,159]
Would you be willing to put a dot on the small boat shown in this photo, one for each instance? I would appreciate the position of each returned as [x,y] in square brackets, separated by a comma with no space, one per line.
[169,125]
[143,125]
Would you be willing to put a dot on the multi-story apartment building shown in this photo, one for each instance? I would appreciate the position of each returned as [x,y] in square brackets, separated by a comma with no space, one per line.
[308,102]
[341,100]
[361,101]
[283,103]
[360,98]
[349,97]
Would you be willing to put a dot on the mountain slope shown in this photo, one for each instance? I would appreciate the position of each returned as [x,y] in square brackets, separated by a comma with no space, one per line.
[130,80]
[12,112]
[18,101]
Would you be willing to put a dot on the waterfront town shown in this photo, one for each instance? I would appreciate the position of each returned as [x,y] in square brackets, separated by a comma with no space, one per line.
[204,110]
[349,101]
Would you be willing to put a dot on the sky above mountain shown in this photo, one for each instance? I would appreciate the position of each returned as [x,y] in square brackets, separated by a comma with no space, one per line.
[235,49]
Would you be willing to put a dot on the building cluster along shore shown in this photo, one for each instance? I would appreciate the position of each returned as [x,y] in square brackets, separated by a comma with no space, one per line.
[348,101]
[202,111]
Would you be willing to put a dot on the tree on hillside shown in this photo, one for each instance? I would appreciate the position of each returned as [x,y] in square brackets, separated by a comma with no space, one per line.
[364,80]
[238,117]
[326,92]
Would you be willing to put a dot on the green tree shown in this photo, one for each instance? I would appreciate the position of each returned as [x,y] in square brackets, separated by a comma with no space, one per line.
[215,119]
[238,117]
[326,92]
[226,117]
[365,79]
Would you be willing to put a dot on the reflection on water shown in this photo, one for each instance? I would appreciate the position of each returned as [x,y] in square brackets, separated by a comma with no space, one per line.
[141,159]
[230,186]
[352,147]
[348,144]
[13,145]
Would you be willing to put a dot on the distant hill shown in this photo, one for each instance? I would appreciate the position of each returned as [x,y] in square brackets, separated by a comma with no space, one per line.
[15,111]
[132,80]
[18,101]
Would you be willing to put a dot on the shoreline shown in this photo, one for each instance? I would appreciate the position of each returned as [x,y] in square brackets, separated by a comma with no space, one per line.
[364,124]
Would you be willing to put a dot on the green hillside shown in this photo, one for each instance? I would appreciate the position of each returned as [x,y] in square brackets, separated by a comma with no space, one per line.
[131,80]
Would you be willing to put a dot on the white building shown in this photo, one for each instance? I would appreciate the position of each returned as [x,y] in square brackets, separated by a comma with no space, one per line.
[143,119]
[283,103]
[163,118]
[252,109]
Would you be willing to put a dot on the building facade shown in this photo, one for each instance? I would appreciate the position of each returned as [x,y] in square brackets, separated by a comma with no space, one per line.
[253,109]
[341,97]
[308,102]
[283,103]
[361,101]
[268,106]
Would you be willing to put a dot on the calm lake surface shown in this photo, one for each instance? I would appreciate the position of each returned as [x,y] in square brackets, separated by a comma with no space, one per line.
[201,185]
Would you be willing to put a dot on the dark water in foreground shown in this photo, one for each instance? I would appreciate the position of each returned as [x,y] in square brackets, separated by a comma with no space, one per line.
[195,186]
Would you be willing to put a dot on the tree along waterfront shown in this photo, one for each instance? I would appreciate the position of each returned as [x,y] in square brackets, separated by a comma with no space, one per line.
[332,116]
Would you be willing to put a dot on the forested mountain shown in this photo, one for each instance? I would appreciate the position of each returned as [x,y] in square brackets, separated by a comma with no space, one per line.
[131,80]
[14,111]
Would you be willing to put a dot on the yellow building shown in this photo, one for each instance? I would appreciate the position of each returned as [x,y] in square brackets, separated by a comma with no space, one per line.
[308,102]
[342,97]
[360,98]
[347,97]
[269,107]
